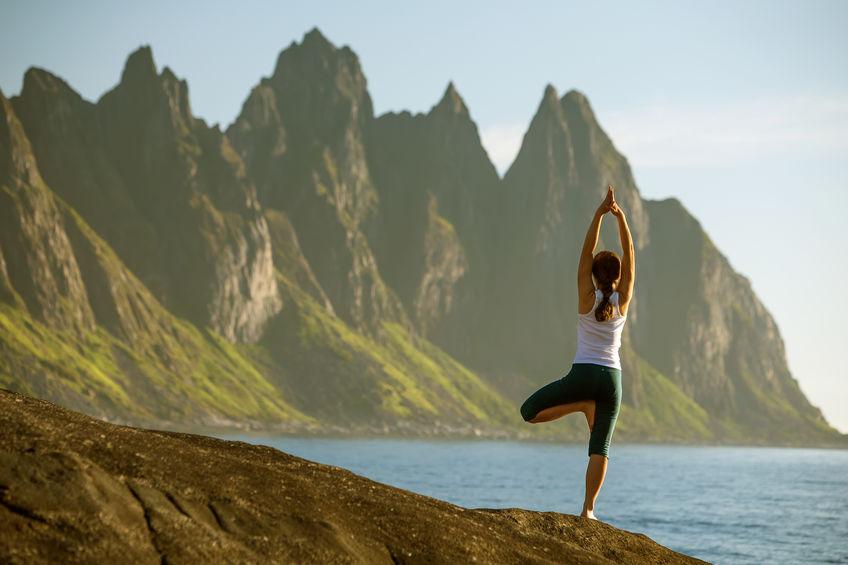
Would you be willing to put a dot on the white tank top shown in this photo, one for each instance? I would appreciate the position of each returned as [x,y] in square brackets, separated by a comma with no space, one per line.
[599,342]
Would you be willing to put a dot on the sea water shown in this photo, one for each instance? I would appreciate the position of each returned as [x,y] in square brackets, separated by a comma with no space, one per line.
[720,504]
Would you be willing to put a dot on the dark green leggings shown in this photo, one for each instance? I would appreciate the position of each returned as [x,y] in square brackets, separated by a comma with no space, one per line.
[585,381]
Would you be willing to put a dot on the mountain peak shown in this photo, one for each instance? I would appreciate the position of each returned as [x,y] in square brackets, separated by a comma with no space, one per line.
[548,105]
[315,51]
[38,80]
[139,65]
[45,97]
[168,77]
[314,38]
[575,96]
[547,127]
[315,76]
[451,102]
[575,102]
[313,44]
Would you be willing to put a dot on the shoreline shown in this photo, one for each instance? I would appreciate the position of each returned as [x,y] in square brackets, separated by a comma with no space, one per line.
[438,434]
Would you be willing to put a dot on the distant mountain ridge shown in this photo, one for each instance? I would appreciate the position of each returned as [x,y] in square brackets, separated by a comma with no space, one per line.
[317,267]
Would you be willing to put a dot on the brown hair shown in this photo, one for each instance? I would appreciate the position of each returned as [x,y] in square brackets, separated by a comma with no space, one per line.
[606,266]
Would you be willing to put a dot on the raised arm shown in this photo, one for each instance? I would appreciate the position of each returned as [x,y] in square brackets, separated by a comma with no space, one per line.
[628,260]
[585,287]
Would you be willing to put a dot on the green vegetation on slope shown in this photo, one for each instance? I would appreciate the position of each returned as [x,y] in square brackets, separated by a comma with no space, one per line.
[666,413]
[358,380]
[203,378]
[298,272]
[147,365]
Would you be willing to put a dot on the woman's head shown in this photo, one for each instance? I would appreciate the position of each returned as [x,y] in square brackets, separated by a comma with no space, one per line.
[606,267]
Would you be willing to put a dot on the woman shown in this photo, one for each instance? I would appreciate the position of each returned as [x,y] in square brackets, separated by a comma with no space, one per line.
[593,385]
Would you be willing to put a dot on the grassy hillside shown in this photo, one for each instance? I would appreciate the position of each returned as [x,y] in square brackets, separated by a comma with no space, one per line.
[319,268]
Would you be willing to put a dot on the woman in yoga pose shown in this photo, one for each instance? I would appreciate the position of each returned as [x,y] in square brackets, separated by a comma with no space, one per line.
[593,385]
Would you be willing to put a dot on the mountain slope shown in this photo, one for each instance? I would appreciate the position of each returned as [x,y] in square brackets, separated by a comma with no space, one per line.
[131,359]
[77,326]
[319,268]
[705,328]
[437,192]
[168,192]
[300,134]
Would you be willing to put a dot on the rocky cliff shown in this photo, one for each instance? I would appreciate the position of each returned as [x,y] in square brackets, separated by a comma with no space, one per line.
[317,267]
[301,135]
[76,489]
[169,193]
[434,228]
[78,327]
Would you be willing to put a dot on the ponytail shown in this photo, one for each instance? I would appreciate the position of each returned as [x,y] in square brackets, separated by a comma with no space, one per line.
[606,266]
[604,310]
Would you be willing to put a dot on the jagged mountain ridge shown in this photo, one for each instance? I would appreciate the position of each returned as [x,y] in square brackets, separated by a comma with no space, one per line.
[396,256]
[221,273]
[132,359]
[78,327]
[300,134]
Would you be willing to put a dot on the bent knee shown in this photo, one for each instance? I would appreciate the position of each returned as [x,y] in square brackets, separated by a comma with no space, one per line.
[528,413]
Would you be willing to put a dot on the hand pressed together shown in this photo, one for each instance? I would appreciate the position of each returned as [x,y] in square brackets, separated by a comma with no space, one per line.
[610,205]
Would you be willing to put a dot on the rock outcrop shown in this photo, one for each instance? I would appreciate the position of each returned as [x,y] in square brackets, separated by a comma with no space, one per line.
[74,489]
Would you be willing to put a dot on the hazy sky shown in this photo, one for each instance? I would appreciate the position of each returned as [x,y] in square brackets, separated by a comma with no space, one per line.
[739,109]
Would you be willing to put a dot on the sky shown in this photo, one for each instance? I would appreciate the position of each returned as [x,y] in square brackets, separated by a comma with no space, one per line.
[739,109]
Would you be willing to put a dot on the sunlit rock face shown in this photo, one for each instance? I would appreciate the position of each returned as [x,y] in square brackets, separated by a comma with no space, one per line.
[301,134]
[693,317]
[38,269]
[169,193]
[317,265]
[433,234]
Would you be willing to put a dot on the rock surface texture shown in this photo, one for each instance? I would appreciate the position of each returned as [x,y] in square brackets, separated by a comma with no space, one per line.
[75,489]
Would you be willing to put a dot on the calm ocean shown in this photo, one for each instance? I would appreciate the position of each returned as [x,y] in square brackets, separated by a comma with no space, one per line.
[721,504]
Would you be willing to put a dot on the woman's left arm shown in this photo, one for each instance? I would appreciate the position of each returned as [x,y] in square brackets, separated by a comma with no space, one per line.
[628,260]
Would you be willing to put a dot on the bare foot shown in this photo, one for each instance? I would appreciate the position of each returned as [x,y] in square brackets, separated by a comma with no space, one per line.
[588,514]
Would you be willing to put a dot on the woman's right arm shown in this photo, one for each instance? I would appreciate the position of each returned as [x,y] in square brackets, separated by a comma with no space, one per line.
[628,261]
[585,286]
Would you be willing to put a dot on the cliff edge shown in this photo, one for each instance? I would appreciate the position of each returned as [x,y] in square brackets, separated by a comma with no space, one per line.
[73,488]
